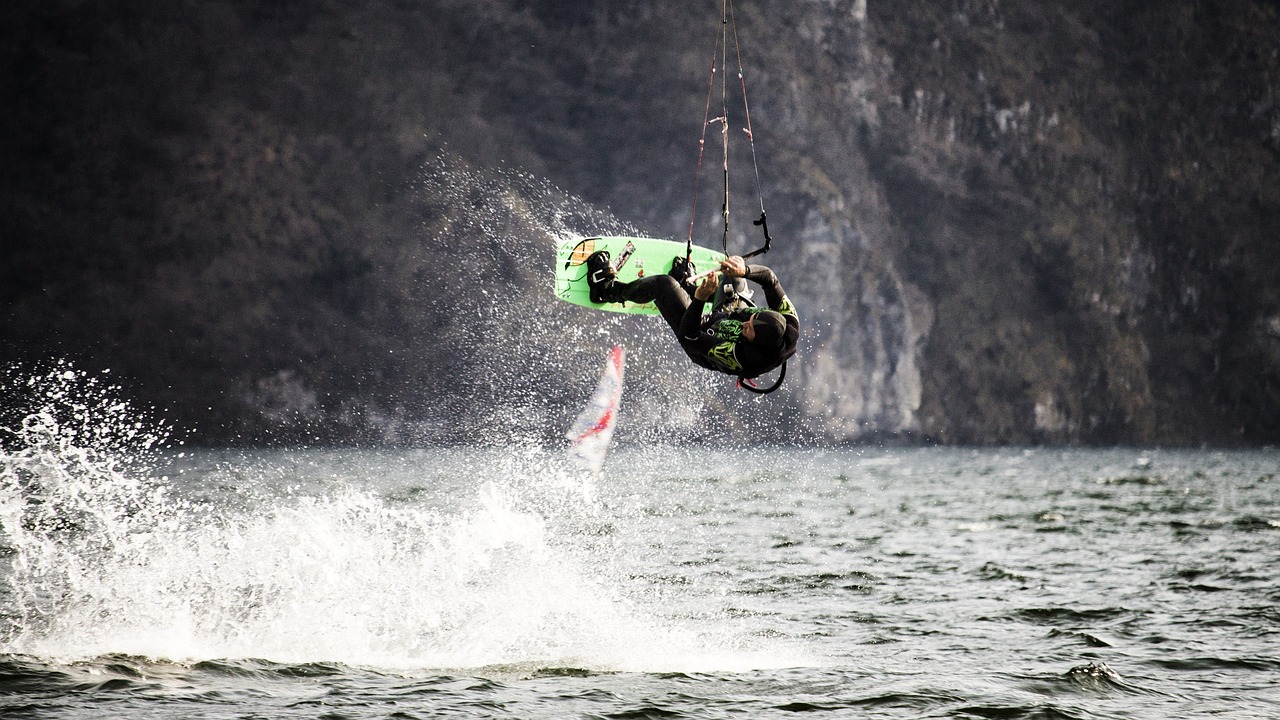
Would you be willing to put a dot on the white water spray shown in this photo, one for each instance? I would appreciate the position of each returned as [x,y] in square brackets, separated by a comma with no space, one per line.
[107,556]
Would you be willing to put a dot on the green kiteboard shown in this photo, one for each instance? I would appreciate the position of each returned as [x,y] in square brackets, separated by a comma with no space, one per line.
[632,258]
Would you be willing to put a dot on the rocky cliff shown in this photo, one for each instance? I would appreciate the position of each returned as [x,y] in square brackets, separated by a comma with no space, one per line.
[1037,222]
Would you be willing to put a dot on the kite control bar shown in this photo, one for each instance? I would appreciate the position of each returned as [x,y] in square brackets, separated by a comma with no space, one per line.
[763,223]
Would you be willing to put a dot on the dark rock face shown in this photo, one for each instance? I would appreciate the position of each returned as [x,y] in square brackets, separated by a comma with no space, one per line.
[1037,222]
[1091,171]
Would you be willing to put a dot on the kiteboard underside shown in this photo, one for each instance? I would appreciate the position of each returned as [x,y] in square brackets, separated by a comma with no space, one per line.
[633,258]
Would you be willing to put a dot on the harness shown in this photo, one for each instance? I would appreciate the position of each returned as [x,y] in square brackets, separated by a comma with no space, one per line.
[732,335]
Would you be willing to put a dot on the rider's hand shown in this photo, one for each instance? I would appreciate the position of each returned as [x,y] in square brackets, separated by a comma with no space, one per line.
[707,287]
[734,266]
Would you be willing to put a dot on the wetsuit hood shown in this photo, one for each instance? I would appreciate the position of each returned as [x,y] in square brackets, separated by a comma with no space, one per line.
[769,327]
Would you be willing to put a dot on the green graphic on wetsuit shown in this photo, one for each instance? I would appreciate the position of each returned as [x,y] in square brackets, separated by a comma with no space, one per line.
[723,356]
[728,330]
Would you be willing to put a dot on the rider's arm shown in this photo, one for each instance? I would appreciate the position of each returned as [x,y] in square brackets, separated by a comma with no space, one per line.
[691,323]
[774,295]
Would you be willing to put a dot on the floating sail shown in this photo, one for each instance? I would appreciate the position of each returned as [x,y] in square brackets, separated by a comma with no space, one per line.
[591,432]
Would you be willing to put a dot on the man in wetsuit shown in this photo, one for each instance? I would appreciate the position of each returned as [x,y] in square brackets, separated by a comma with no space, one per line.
[735,338]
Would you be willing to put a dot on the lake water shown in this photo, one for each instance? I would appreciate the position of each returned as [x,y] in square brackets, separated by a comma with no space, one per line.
[682,583]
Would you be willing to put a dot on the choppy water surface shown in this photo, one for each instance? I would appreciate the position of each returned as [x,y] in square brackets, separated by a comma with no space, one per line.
[496,583]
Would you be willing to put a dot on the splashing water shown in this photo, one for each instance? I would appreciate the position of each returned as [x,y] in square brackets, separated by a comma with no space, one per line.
[68,492]
[502,218]
[109,556]
[504,203]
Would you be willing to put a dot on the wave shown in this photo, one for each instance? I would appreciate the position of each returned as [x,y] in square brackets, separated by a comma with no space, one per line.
[1071,616]
[109,556]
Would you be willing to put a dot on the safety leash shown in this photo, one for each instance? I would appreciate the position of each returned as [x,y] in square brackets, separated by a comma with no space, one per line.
[749,384]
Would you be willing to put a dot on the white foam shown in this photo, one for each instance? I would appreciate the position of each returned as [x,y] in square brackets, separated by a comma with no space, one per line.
[110,558]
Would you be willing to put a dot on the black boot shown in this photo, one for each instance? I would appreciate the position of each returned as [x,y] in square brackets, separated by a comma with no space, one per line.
[682,269]
[602,278]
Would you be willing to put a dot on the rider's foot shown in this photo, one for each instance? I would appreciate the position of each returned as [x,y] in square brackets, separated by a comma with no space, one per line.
[682,269]
[602,278]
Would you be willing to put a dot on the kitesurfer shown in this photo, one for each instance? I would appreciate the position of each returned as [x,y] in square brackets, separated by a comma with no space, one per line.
[735,338]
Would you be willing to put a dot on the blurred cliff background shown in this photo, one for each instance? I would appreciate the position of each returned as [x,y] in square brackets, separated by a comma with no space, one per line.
[332,222]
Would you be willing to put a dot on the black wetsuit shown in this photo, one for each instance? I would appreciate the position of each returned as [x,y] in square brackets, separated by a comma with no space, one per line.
[715,342]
